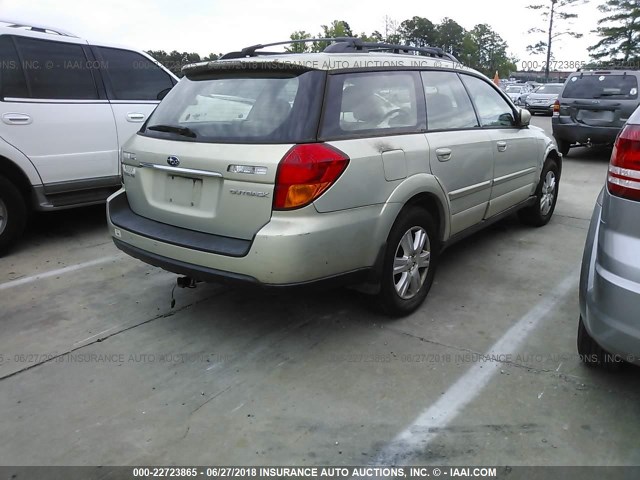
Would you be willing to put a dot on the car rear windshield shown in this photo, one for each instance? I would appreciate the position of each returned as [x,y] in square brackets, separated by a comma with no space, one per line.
[549,89]
[260,107]
[601,86]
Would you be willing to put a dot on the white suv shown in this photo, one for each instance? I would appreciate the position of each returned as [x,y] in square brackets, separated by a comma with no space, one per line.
[66,107]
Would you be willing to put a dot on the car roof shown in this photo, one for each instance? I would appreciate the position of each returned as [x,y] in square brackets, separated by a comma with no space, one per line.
[605,71]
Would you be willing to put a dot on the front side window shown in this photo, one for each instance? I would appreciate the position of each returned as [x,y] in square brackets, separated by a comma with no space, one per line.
[372,103]
[493,110]
[12,80]
[134,76]
[56,70]
[448,105]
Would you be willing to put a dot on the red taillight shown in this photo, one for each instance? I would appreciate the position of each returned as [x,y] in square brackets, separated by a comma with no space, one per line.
[305,172]
[624,169]
[556,107]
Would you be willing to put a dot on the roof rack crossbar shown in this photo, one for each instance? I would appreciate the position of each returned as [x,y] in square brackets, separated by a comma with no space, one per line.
[430,51]
[343,45]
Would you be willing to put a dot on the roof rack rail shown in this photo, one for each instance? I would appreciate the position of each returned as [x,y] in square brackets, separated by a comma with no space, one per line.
[608,66]
[36,27]
[343,45]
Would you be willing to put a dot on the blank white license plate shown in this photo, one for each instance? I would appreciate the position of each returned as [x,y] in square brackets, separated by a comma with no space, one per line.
[183,191]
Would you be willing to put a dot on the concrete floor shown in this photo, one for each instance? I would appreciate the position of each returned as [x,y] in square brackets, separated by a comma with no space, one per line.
[97,369]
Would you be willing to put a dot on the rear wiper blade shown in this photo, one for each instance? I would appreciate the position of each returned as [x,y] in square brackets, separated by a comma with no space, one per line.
[610,95]
[184,131]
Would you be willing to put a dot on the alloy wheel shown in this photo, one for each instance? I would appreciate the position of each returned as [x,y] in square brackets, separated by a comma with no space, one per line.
[411,262]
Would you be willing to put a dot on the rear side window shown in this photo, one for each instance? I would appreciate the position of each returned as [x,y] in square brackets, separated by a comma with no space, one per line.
[270,107]
[56,70]
[12,80]
[448,105]
[373,104]
[133,76]
[493,110]
[601,86]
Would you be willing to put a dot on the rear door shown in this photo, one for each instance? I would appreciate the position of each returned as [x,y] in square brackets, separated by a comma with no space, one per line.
[135,85]
[513,148]
[208,156]
[461,156]
[600,99]
[56,113]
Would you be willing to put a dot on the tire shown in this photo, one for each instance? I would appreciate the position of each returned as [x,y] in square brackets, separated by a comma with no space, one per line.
[13,214]
[541,211]
[402,293]
[563,146]
[592,354]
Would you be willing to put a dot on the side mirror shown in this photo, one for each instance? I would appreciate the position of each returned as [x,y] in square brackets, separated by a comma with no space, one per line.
[524,117]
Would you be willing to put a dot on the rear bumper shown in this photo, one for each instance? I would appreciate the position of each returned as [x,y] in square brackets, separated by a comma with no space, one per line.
[295,248]
[609,302]
[579,133]
[539,108]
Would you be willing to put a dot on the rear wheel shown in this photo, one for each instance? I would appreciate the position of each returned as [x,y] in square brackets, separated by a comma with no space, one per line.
[13,214]
[541,211]
[409,262]
[594,355]
[563,146]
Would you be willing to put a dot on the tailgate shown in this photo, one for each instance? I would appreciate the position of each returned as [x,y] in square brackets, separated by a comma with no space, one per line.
[201,193]
[208,156]
[596,113]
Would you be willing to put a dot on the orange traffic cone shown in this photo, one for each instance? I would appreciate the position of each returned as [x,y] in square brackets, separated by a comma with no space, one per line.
[496,79]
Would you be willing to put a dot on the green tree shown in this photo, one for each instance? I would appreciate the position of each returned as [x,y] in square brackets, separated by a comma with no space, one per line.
[619,31]
[299,47]
[450,36]
[174,60]
[555,13]
[337,28]
[419,32]
[486,51]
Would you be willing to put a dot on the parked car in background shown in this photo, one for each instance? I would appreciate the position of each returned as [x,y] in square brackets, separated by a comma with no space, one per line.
[541,100]
[609,325]
[237,177]
[518,92]
[66,108]
[593,107]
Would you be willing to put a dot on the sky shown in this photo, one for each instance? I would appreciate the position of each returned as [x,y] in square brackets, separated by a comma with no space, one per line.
[211,26]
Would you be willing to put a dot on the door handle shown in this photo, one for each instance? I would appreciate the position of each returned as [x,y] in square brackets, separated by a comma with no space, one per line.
[135,117]
[16,119]
[443,154]
[502,146]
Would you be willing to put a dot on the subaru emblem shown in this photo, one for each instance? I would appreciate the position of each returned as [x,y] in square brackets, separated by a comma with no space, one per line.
[173,161]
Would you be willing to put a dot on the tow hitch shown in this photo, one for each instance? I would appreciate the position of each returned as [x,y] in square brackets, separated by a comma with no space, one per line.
[182,282]
[186,282]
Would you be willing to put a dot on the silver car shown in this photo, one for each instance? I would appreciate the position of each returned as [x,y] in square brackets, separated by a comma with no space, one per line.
[609,326]
[542,99]
[518,93]
[354,165]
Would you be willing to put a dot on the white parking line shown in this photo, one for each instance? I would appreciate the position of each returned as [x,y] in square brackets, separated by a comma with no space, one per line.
[55,273]
[429,423]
